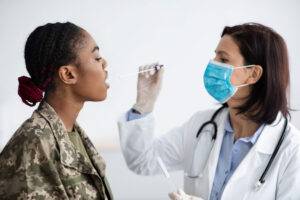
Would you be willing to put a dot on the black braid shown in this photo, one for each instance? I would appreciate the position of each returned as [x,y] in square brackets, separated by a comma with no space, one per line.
[47,48]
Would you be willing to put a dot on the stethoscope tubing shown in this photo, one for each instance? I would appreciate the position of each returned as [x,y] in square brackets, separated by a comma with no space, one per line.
[215,127]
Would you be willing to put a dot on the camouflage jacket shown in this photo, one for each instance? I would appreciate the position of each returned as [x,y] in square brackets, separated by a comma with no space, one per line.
[40,162]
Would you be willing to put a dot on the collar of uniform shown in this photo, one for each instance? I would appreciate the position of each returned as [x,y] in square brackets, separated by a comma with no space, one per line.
[253,138]
[69,156]
[270,135]
[98,161]
[228,127]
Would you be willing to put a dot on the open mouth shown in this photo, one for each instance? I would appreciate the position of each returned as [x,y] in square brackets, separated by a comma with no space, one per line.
[107,82]
[107,85]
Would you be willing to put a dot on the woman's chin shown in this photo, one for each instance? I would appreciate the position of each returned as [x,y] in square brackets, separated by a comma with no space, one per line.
[101,97]
[234,102]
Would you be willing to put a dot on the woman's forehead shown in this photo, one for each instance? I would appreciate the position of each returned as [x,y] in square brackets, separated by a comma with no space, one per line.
[89,44]
[227,46]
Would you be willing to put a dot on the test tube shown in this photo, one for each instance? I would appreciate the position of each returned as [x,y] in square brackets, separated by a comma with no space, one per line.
[166,173]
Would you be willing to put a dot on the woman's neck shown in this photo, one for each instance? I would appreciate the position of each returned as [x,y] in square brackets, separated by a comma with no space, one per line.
[66,108]
[242,126]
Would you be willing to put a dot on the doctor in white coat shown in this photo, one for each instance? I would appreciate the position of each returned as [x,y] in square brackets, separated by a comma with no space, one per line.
[248,149]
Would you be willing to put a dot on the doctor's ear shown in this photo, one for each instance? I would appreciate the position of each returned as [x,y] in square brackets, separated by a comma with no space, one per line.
[255,74]
[68,74]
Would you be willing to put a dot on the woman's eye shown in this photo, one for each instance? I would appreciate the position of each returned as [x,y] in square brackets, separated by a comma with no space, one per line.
[98,59]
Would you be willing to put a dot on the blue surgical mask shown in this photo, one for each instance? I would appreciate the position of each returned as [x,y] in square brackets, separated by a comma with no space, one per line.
[217,80]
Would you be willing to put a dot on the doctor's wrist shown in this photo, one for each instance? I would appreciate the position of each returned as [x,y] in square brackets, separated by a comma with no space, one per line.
[135,111]
[143,108]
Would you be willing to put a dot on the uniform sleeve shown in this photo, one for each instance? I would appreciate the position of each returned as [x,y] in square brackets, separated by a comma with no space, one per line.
[28,170]
[133,116]
[141,148]
[289,183]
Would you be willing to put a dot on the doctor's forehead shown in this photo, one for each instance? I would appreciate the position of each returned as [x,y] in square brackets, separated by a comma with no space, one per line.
[227,47]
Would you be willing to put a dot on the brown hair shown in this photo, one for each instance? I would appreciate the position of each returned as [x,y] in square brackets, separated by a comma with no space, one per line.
[261,45]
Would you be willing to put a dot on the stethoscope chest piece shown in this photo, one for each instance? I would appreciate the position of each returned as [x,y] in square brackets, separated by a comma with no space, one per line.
[258,186]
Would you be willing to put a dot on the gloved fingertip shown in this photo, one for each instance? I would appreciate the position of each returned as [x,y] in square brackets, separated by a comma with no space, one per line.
[152,72]
[159,67]
[161,72]
[171,195]
[181,192]
[174,196]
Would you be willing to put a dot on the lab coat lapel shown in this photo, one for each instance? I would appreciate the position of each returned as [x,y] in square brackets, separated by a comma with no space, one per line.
[252,166]
[270,136]
[214,155]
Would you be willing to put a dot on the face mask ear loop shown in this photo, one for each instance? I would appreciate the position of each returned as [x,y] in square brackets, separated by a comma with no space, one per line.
[246,66]
[243,85]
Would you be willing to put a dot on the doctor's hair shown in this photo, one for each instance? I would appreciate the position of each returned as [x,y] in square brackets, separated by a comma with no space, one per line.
[261,45]
[47,48]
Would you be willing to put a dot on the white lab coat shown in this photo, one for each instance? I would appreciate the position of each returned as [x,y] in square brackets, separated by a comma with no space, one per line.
[178,147]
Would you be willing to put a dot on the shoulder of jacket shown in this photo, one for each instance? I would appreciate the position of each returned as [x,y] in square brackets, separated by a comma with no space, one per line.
[291,147]
[291,151]
[31,147]
[32,132]
[36,126]
[293,138]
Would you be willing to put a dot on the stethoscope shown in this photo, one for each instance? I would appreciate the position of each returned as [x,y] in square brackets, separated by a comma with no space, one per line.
[212,122]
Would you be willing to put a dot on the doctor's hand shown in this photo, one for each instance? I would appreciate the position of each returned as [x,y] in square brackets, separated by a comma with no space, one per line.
[148,87]
[181,195]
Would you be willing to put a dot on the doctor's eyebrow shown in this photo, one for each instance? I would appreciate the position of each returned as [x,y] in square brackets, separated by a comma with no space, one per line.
[221,52]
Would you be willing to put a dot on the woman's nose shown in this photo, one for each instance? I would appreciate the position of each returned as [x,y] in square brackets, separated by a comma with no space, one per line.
[105,63]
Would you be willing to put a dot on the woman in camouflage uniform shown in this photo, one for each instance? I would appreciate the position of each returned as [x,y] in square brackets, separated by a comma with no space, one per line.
[50,156]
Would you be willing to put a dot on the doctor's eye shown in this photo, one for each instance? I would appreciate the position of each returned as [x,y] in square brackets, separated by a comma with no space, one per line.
[223,60]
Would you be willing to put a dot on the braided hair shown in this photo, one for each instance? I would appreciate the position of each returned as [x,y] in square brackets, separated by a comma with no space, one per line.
[47,48]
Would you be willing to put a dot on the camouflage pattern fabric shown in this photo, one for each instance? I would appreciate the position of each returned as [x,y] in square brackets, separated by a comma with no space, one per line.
[40,162]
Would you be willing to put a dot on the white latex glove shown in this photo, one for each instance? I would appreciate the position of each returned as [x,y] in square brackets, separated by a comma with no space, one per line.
[181,195]
[148,87]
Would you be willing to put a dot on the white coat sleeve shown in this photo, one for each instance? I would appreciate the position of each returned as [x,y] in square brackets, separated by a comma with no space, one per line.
[289,183]
[140,147]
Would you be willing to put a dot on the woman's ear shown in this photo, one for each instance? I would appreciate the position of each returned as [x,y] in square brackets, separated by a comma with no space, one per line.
[255,74]
[68,74]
